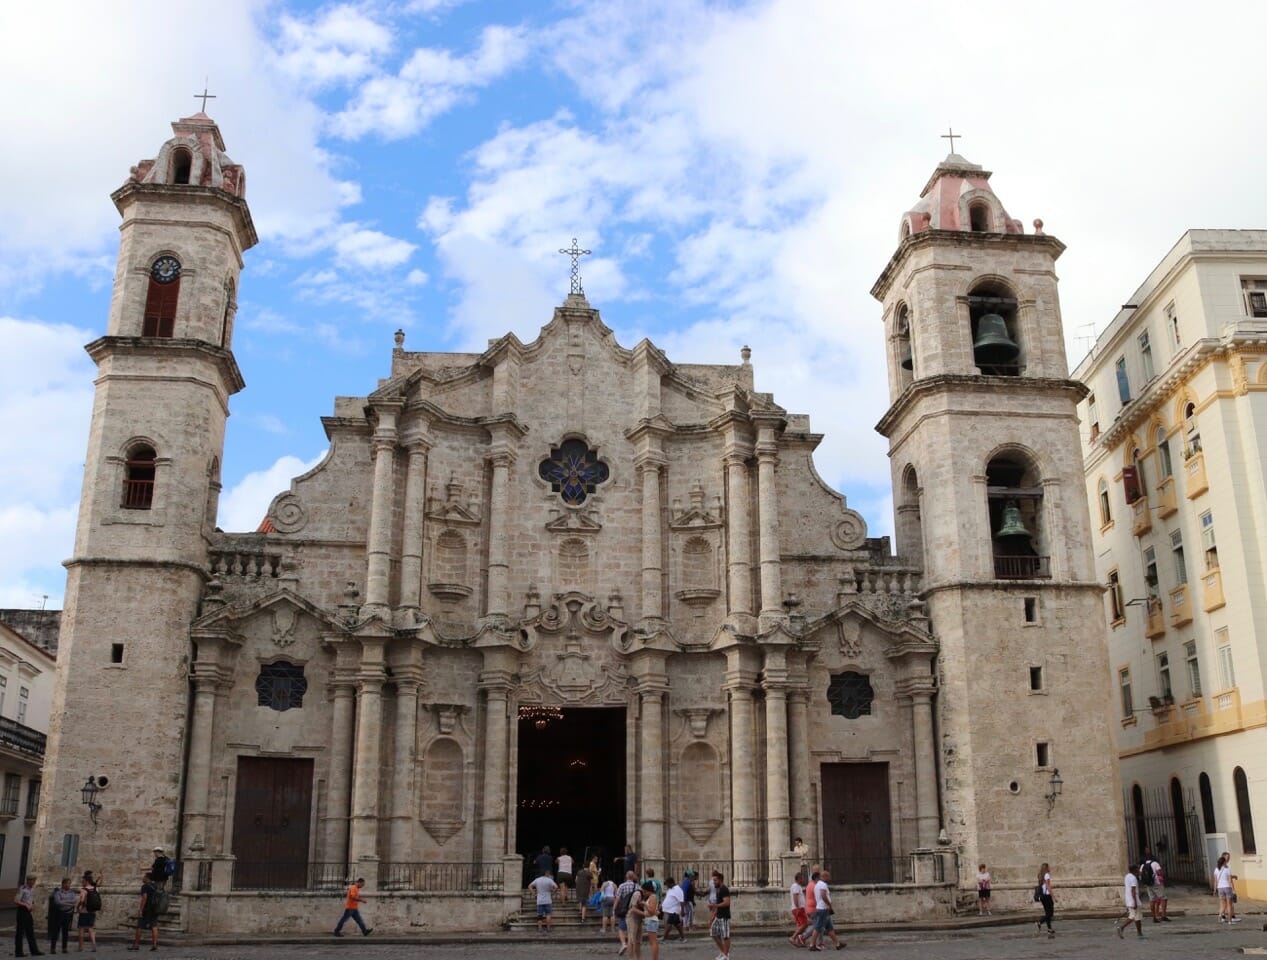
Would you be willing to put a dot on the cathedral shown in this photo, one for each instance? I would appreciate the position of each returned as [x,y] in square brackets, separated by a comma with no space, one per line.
[572,593]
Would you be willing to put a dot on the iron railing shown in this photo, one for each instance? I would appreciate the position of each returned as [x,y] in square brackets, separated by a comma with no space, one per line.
[1022,568]
[1172,831]
[440,877]
[272,875]
[21,737]
[736,873]
[138,494]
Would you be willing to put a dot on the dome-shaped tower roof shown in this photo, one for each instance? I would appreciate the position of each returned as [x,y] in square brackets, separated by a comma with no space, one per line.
[958,197]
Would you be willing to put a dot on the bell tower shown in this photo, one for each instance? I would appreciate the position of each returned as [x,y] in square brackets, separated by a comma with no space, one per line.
[148,506]
[983,442]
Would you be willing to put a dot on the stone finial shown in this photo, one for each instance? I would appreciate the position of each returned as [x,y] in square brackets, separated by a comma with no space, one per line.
[1038,228]
[400,339]
[746,354]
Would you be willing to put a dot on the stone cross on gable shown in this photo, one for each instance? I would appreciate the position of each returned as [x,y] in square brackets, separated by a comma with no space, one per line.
[204,97]
[952,137]
[575,253]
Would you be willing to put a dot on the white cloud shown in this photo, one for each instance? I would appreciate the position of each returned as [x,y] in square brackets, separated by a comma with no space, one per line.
[417,278]
[340,45]
[245,504]
[429,83]
[370,249]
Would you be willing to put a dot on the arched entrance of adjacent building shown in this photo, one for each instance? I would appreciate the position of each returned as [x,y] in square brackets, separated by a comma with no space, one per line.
[571,782]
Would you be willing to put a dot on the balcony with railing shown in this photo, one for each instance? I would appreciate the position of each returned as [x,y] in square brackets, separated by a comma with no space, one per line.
[1141,518]
[1212,590]
[138,494]
[1180,605]
[20,737]
[1167,505]
[1194,474]
[1022,568]
[1155,625]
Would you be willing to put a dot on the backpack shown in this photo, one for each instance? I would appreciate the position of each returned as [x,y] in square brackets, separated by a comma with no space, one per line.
[1146,875]
[1038,893]
[157,903]
[169,868]
[92,900]
[622,905]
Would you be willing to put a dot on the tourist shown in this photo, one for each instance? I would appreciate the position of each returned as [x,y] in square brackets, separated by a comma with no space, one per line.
[61,913]
[147,914]
[25,928]
[801,850]
[159,869]
[544,862]
[1130,893]
[352,909]
[607,904]
[649,918]
[633,920]
[1160,900]
[563,875]
[800,919]
[88,907]
[659,887]
[624,898]
[544,887]
[719,915]
[1227,894]
[811,901]
[688,901]
[1043,890]
[983,891]
[631,860]
[823,926]
[672,910]
[586,879]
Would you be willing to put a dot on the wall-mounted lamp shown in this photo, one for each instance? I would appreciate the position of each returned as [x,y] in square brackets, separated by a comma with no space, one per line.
[89,793]
[1057,785]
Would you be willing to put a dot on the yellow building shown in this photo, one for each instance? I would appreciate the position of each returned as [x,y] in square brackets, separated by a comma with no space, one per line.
[1174,437]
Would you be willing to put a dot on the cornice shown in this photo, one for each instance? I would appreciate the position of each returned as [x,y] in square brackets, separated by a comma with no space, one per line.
[957,238]
[980,384]
[223,359]
[188,194]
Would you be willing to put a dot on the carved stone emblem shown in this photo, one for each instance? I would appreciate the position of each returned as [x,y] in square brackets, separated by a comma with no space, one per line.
[850,639]
[284,620]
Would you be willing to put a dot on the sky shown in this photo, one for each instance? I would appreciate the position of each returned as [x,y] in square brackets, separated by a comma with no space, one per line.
[738,169]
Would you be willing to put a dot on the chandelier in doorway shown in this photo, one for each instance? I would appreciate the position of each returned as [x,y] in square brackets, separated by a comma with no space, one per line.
[540,714]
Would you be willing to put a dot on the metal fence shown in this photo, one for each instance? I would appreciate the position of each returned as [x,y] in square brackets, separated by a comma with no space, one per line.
[736,873]
[1166,822]
[440,877]
[271,875]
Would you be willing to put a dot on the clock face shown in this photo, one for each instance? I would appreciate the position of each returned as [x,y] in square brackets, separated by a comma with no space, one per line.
[165,269]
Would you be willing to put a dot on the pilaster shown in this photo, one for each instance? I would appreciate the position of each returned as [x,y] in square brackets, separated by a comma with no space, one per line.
[410,590]
[382,506]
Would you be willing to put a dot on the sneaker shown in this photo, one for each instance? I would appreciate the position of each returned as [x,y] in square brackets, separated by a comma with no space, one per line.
[1120,934]
[367,931]
[623,948]
[989,913]
[1165,919]
[1051,934]
[1235,920]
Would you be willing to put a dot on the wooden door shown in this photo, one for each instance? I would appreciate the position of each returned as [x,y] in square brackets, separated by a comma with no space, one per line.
[857,830]
[270,823]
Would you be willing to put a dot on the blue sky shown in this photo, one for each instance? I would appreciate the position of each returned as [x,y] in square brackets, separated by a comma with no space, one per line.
[738,169]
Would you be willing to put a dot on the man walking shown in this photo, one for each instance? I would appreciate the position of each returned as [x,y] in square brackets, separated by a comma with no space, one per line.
[719,915]
[544,887]
[672,910]
[352,909]
[624,897]
[823,927]
[800,919]
[1130,893]
[25,929]
[147,914]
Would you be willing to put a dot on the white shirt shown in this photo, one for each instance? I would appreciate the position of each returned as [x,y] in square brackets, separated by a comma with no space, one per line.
[1225,877]
[1047,884]
[983,880]
[565,864]
[609,890]
[673,898]
[797,894]
[822,896]
[545,887]
[1158,879]
[1130,891]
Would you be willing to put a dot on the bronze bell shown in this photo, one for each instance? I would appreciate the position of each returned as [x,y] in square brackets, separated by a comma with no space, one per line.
[908,360]
[993,347]
[1012,525]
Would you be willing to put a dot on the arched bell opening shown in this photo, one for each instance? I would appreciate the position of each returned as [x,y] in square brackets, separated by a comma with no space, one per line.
[979,217]
[905,345]
[182,164]
[1015,497]
[996,344]
[910,523]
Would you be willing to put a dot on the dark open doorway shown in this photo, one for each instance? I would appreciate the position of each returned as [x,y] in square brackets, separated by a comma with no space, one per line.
[572,784]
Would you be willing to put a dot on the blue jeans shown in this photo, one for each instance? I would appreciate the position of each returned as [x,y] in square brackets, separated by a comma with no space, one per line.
[350,915]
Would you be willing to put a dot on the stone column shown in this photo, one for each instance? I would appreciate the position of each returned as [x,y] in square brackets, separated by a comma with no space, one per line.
[739,569]
[768,518]
[652,543]
[343,724]
[652,739]
[496,685]
[926,816]
[776,769]
[367,766]
[743,787]
[382,505]
[198,787]
[498,558]
[404,761]
[415,518]
[802,811]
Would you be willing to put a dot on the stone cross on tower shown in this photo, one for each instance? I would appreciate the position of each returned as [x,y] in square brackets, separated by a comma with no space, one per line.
[952,137]
[204,97]
[575,253]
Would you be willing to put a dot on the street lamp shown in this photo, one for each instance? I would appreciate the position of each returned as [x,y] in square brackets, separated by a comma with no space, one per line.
[1057,785]
[89,793]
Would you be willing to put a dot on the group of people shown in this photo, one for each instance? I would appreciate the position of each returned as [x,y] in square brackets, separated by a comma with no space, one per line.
[68,903]
[812,910]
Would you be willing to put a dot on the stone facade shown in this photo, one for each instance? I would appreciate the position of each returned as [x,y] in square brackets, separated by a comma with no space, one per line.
[554,536]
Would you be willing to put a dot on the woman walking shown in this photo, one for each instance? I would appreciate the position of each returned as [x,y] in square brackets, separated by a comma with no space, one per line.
[1046,898]
[1227,895]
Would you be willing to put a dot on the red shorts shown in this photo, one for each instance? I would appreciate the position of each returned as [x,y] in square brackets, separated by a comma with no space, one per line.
[801,917]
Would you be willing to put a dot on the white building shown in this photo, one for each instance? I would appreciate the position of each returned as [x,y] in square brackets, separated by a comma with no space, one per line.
[27,677]
[1174,438]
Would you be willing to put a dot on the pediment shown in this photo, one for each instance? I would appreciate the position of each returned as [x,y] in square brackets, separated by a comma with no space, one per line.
[574,521]
[231,614]
[844,629]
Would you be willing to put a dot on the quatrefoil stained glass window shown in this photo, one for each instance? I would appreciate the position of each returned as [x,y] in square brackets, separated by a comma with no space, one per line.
[850,695]
[281,685]
[573,471]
